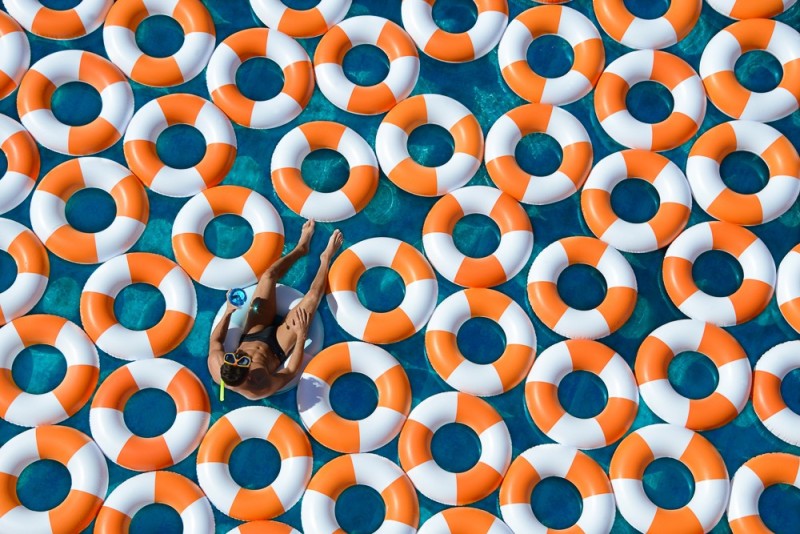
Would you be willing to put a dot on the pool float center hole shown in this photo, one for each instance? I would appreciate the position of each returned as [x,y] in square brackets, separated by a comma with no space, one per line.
[301,4]
[360,510]
[3,164]
[582,394]
[455,16]
[325,170]
[43,485]
[538,154]
[481,340]
[156,517]
[779,507]
[76,103]
[430,145]
[159,36]
[758,71]
[149,412]
[649,102]
[635,200]
[8,270]
[365,65]
[259,79]
[353,396]
[550,56]
[556,503]
[90,210]
[228,236]
[717,273]
[744,172]
[668,483]
[139,306]
[456,447]
[647,9]
[39,369]
[693,375]
[476,235]
[790,391]
[581,286]
[380,289]
[255,463]
[181,146]
[60,5]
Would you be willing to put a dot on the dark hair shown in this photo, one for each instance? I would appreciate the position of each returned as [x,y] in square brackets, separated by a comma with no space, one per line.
[232,375]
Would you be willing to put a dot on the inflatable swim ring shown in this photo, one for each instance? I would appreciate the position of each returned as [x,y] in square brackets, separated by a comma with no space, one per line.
[16,56]
[647,33]
[788,288]
[242,46]
[464,521]
[192,253]
[421,290]
[674,201]
[544,406]
[366,99]
[33,270]
[51,72]
[750,481]
[511,254]
[106,282]
[40,19]
[347,435]
[768,402]
[177,108]
[301,22]
[748,9]
[550,308]
[436,483]
[22,162]
[264,527]
[441,342]
[254,422]
[49,202]
[119,38]
[758,268]
[287,178]
[506,173]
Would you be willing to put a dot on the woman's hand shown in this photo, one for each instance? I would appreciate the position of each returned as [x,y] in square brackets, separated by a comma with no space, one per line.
[229,308]
[299,323]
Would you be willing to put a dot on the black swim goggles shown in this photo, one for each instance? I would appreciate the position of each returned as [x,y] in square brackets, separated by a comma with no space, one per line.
[238,361]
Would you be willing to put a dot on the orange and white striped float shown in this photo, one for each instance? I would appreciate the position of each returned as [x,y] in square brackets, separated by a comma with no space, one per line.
[165,111]
[51,72]
[293,60]
[254,422]
[758,269]
[544,406]
[190,248]
[26,409]
[33,270]
[768,402]
[720,201]
[347,435]
[637,32]
[787,290]
[441,342]
[674,201]
[421,290]
[567,23]
[54,23]
[506,173]
[672,72]
[106,282]
[748,9]
[391,144]
[460,47]
[711,484]
[512,253]
[551,309]
[464,520]
[561,461]
[49,202]
[366,99]
[446,487]
[119,38]
[138,453]
[297,144]
[750,481]
[22,163]
[719,61]
[733,368]
[301,22]
[264,527]
[318,512]
[88,473]
[16,56]
[159,487]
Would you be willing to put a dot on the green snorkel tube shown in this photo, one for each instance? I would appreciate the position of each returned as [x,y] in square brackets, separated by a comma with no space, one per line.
[221,390]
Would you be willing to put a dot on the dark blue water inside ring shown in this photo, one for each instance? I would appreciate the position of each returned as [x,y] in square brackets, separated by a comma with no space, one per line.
[476,235]
[154,518]
[430,145]
[8,270]
[43,474]
[3,163]
[717,273]
[181,146]
[456,447]
[76,103]
[353,396]
[255,463]
[647,9]
[39,369]
[790,390]
[635,200]
[365,65]
[539,154]
[159,36]
[455,16]
[582,286]
[649,102]
[481,340]
[582,394]
[300,4]
[779,507]
[744,172]
[668,483]
[550,56]
[380,289]
[325,170]
[90,210]
[556,503]
[60,5]
[360,510]
[228,236]
[693,375]
[259,79]
[758,71]
[139,306]
[149,412]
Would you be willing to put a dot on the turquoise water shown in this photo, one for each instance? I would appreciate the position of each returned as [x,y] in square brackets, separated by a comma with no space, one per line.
[397,214]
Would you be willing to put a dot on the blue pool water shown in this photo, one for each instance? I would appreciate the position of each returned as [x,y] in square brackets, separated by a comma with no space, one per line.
[397,214]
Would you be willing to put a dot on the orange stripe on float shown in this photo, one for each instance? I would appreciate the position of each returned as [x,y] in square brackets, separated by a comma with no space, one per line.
[480,272]
[710,412]
[265,250]
[368,99]
[543,404]
[670,521]
[720,346]
[394,324]
[323,134]
[727,93]
[97,313]
[216,163]
[475,413]
[750,10]
[291,188]
[401,502]
[683,15]
[193,17]
[59,443]
[577,162]
[361,185]
[415,445]
[265,501]
[187,392]
[77,387]
[506,173]
[781,156]
[237,106]
[82,246]
[678,279]
[305,23]
[75,512]
[589,356]
[509,215]
[58,24]
[92,137]
[411,265]
[513,365]
[590,58]
[588,477]
[678,128]
[39,329]
[176,491]
[115,390]
[669,222]
[219,442]
[287,437]
[395,42]
[643,164]
[597,210]
[8,393]
[412,113]
[546,302]
[465,520]
[193,253]
[616,418]
[610,95]
[345,272]
[157,71]
[631,458]
[652,360]
[128,14]
[583,250]
[337,432]
[131,199]
[519,482]
[145,454]
[142,157]
[527,83]
[618,306]
[98,72]
[703,460]
[299,82]
[443,352]
[110,521]
[29,254]
[331,48]
[476,483]
[334,477]
[767,398]
[730,238]
[750,299]
[790,311]
[411,176]
[614,17]
[443,216]
[467,136]
[394,390]
[169,332]
[448,46]
[35,92]
[22,155]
